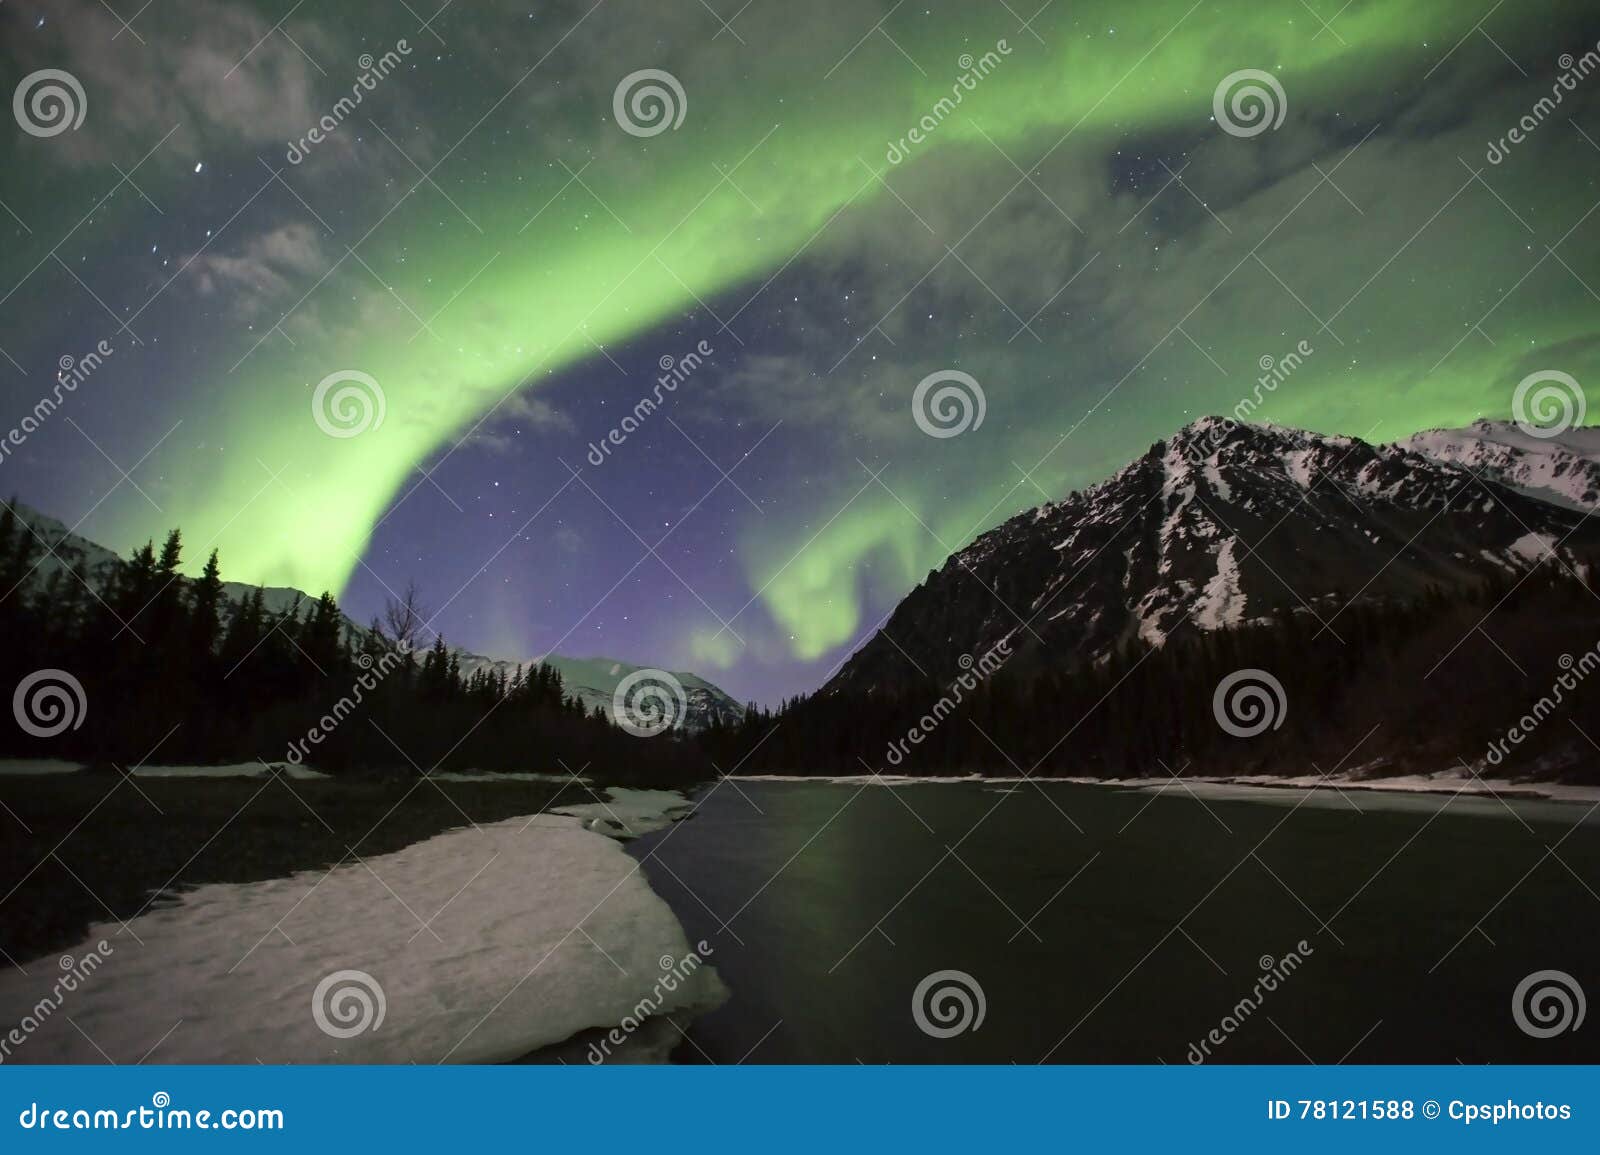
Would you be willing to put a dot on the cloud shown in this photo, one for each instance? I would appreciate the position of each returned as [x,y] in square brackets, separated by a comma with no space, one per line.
[263,271]
[216,73]
[502,433]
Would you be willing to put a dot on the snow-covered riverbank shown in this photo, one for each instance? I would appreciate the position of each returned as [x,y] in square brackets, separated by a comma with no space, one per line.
[630,813]
[477,945]
[30,767]
[1444,783]
[1451,785]
[26,767]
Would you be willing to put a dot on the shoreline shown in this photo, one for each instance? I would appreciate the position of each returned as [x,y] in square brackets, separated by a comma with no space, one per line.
[476,943]
[1424,785]
[96,847]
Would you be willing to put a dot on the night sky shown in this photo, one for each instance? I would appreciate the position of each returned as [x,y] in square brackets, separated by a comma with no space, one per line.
[511,267]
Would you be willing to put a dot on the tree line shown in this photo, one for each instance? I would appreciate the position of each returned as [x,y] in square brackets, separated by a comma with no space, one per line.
[1415,686]
[175,671]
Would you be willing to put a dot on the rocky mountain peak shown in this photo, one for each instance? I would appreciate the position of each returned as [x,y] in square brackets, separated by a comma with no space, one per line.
[1224,523]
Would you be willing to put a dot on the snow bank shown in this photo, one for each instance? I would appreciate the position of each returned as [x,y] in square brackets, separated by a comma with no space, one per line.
[492,776]
[536,929]
[1430,788]
[877,779]
[1424,793]
[20,767]
[630,813]
[237,770]
[23,766]
[1515,802]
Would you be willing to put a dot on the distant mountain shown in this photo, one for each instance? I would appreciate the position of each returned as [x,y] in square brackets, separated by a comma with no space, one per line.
[594,680]
[94,559]
[1564,469]
[1226,524]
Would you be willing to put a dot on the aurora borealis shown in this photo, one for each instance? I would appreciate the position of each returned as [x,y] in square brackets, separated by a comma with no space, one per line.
[482,239]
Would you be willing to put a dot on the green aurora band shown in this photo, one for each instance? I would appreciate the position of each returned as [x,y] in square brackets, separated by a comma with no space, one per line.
[513,305]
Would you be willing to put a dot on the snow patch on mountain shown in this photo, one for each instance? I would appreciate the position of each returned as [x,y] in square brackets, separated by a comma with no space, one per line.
[1222,603]
[1214,479]
[1297,464]
[1563,469]
[1534,547]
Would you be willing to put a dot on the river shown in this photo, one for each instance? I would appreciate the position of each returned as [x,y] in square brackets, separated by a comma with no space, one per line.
[1119,925]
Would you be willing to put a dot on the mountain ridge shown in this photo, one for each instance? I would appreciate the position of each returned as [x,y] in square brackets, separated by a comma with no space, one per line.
[1223,524]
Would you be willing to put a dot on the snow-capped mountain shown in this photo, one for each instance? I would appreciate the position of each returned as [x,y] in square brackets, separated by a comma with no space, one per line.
[66,548]
[95,562]
[1564,468]
[594,680]
[1224,524]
